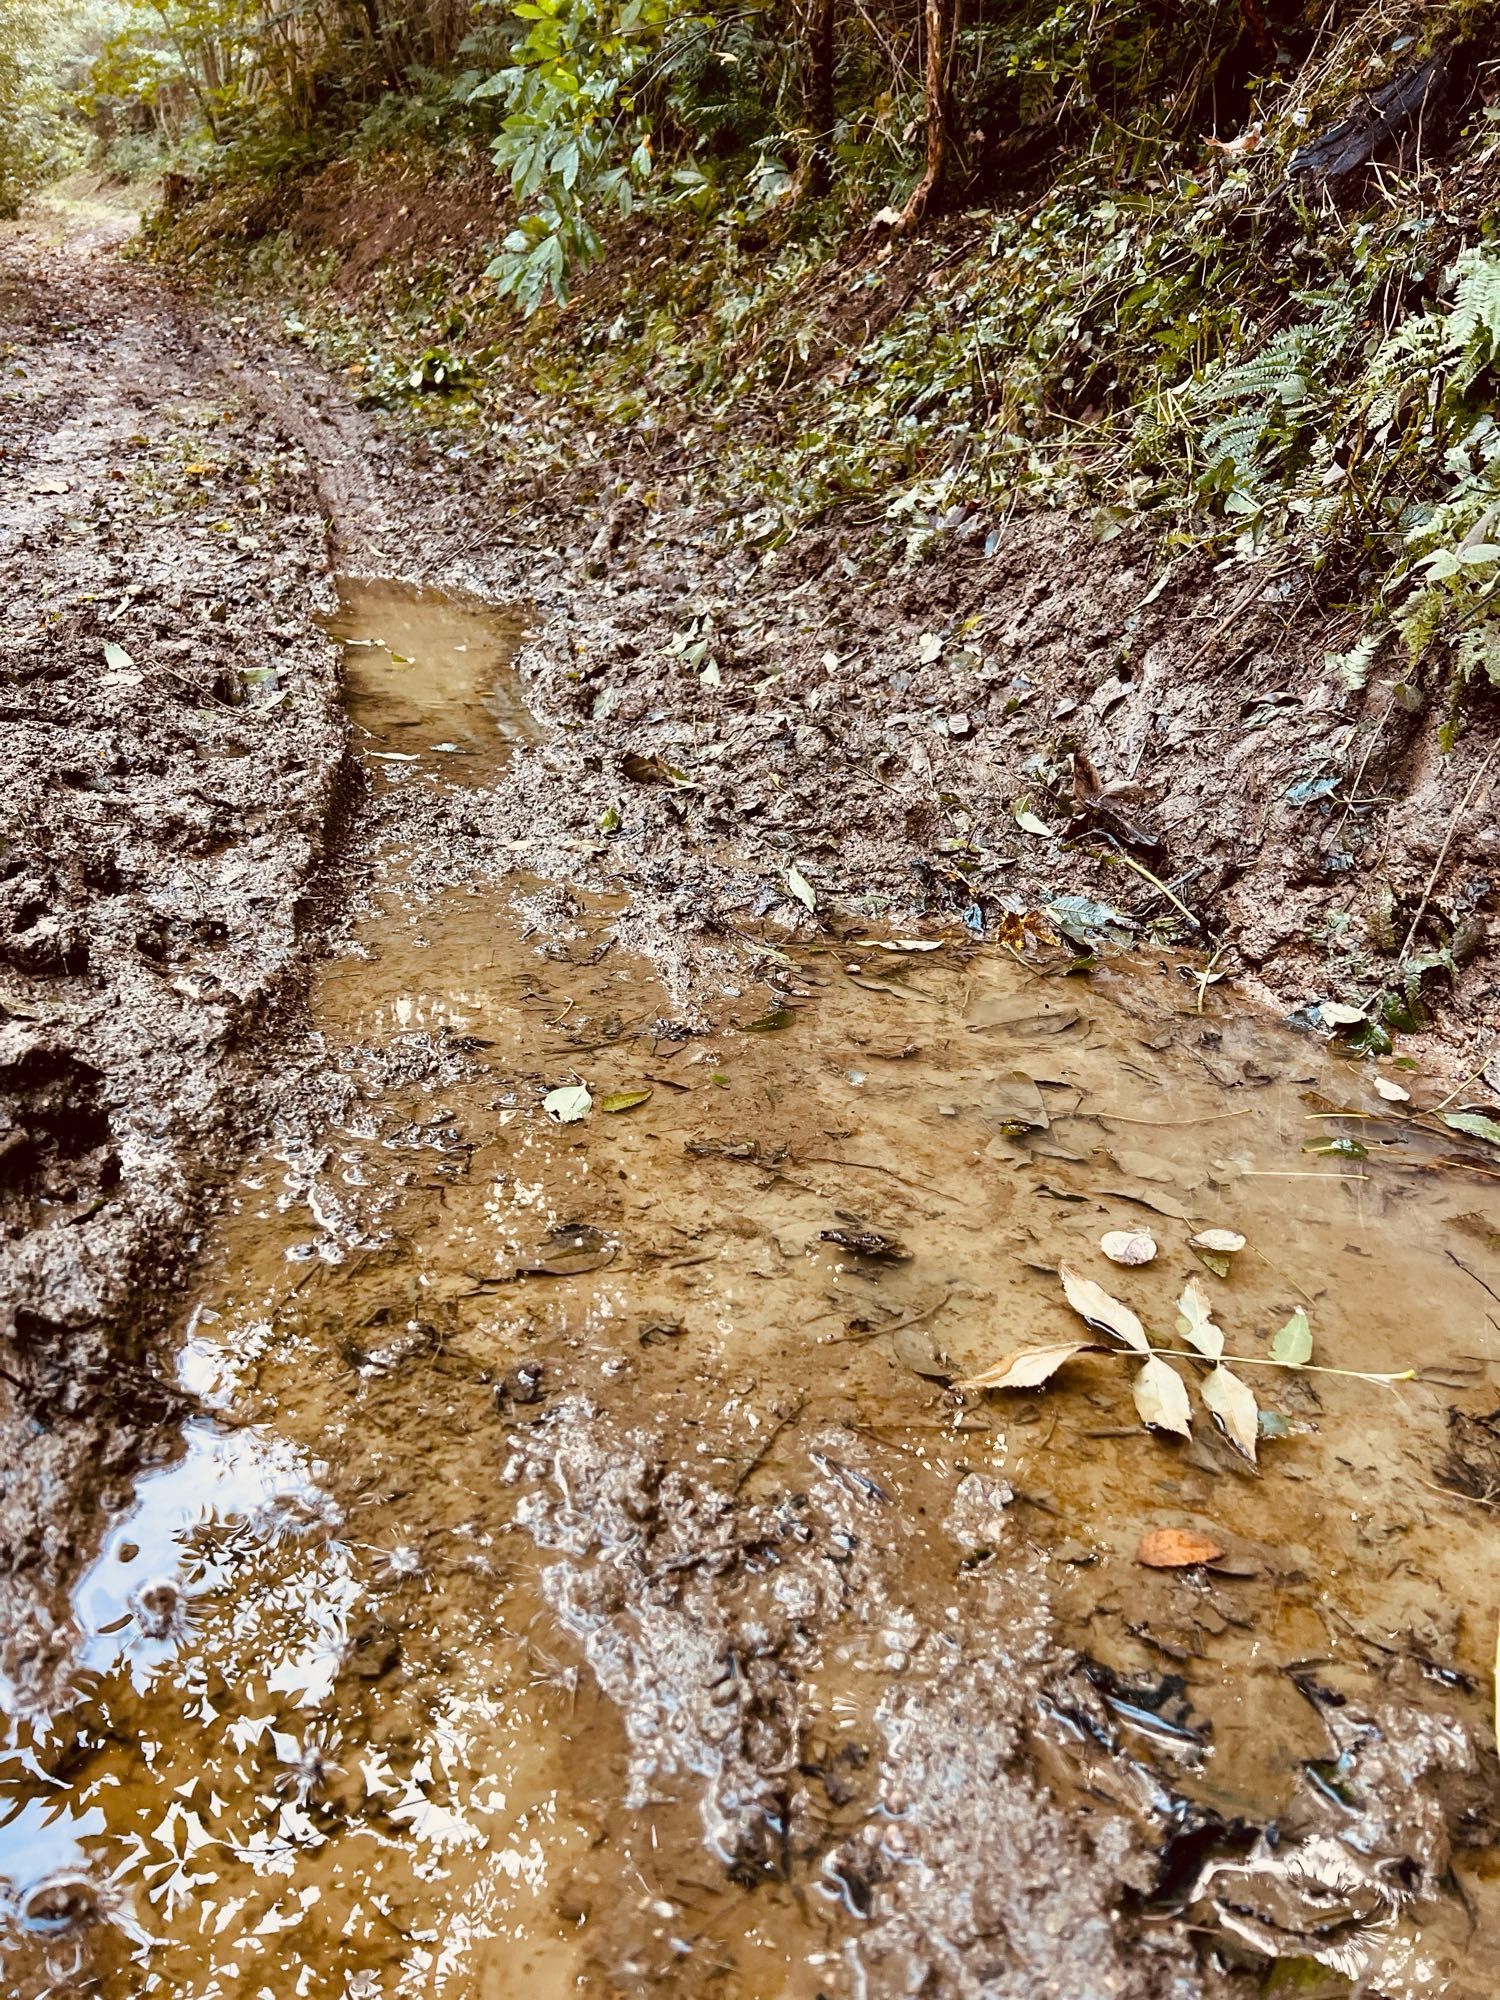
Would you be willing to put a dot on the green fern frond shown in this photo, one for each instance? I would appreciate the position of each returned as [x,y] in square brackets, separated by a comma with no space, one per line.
[1474,323]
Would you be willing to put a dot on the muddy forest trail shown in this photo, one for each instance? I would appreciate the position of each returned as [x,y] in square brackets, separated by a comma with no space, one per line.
[491,1504]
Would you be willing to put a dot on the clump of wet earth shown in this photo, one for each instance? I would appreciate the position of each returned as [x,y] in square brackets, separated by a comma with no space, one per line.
[492,1502]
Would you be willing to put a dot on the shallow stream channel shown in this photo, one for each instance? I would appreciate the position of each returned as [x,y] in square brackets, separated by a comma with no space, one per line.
[586,1572]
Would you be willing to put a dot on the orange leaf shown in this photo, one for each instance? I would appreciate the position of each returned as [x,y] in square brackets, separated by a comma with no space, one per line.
[1176,1548]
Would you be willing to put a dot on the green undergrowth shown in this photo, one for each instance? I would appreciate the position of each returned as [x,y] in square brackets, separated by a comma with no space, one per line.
[1173,332]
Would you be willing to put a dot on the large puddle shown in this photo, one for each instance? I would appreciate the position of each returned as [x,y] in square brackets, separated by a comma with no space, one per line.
[336,1731]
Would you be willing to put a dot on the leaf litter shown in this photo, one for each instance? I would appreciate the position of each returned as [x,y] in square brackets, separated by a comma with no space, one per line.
[1234,1408]
[1128,1246]
[1161,1397]
[1094,1305]
[1196,1321]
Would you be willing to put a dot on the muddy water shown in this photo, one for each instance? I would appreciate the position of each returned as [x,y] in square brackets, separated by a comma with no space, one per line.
[338,1725]
[426,681]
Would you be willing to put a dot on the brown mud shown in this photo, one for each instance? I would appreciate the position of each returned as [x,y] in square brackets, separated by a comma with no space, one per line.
[740,704]
[171,751]
[578,1571]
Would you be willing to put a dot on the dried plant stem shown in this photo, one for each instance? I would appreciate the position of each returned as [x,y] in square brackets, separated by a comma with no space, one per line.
[1297,1367]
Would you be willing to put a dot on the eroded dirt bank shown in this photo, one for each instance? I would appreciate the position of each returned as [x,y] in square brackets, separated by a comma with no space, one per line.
[586,1576]
[722,707]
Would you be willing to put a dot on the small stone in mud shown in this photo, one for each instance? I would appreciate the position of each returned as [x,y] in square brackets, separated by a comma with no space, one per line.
[871,1243]
[522,1384]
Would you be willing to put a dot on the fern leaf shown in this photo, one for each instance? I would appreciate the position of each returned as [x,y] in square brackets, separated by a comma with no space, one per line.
[1474,323]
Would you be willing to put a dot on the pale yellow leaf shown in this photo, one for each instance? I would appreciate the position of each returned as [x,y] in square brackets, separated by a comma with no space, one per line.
[1197,1322]
[1092,1303]
[1235,1409]
[1161,1397]
[1029,1368]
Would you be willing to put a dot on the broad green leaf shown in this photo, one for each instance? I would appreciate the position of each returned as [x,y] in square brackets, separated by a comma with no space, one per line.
[1475,1124]
[1293,1344]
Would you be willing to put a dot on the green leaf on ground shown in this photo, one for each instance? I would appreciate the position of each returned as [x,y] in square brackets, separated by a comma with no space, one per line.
[1293,1344]
[567,1104]
[1475,1124]
[624,1100]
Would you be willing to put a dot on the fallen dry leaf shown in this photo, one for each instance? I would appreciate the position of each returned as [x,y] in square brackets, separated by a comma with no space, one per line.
[1029,1369]
[1197,1321]
[1128,1246]
[1161,1398]
[1334,1014]
[1235,1408]
[1176,1548]
[1092,1303]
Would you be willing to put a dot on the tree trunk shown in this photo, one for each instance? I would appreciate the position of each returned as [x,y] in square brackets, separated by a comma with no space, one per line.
[940,22]
[816,170]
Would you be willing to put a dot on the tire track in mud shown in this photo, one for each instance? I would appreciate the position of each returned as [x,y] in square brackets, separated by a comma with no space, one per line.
[172,749]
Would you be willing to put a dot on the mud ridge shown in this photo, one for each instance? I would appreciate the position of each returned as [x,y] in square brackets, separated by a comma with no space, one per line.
[173,750]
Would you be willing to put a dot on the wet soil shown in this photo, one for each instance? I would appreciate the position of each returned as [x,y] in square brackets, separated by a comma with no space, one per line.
[172,749]
[585,1576]
[874,697]
[577,1569]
